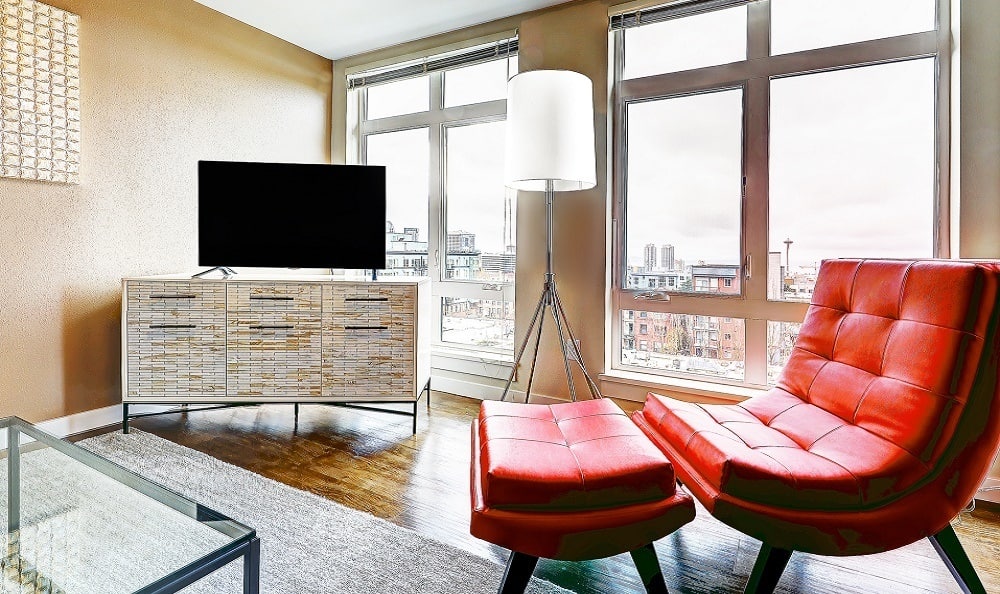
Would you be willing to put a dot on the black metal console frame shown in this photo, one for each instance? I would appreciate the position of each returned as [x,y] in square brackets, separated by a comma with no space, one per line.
[357,404]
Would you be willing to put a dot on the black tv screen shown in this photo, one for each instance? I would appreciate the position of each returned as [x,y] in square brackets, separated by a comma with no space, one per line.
[291,215]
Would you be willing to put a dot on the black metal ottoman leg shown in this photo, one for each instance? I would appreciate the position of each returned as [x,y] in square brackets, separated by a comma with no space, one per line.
[518,573]
[767,570]
[649,569]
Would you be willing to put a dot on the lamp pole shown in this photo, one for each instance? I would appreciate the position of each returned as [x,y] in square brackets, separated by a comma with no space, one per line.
[549,191]
[550,303]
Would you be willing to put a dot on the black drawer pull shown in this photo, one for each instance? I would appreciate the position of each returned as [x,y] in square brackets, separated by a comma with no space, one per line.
[366,299]
[271,298]
[162,326]
[273,327]
[172,296]
[366,327]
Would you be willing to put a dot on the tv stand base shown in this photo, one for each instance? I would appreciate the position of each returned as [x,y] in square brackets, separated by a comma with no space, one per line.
[183,408]
[226,271]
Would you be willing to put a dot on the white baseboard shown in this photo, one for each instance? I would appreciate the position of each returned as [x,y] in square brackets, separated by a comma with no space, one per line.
[93,419]
[485,392]
[471,389]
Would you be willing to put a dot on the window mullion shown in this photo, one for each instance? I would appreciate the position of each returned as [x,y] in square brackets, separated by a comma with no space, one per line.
[435,192]
[755,355]
[755,168]
[355,147]
[755,217]
[914,45]
[759,30]
[943,215]
[755,193]
[618,160]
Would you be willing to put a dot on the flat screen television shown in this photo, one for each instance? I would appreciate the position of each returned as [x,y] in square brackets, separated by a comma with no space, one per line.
[291,215]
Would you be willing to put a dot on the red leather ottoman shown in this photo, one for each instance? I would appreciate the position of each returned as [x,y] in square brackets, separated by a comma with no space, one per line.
[571,481]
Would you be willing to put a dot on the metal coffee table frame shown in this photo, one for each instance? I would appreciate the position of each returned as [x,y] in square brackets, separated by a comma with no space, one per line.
[245,542]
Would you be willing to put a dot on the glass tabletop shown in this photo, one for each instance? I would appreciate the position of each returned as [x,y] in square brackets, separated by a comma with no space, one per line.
[80,524]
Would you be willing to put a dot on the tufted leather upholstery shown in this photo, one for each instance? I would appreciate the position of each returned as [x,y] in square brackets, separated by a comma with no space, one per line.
[881,426]
[570,481]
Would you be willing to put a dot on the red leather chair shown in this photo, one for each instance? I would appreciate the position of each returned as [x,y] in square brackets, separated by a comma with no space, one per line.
[880,429]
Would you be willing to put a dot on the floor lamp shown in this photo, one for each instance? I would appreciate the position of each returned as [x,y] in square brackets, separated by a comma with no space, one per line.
[550,148]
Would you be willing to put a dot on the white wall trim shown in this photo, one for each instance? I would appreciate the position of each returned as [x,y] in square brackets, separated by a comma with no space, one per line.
[93,419]
[472,389]
[472,364]
[484,392]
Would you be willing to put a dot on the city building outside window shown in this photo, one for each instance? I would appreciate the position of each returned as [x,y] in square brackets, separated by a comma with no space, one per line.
[439,129]
[753,140]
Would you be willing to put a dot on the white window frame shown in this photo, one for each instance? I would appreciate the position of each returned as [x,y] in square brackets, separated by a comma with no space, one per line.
[753,75]
[437,120]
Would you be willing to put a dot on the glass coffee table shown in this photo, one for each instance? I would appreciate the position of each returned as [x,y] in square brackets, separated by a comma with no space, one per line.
[80,524]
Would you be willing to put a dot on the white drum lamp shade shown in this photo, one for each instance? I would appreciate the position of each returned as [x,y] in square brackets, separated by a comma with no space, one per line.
[550,131]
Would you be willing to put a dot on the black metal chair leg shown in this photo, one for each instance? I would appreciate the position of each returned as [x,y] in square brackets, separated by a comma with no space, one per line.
[771,562]
[518,573]
[950,549]
[649,569]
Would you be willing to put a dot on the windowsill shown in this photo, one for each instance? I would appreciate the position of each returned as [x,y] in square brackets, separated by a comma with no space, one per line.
[690,387]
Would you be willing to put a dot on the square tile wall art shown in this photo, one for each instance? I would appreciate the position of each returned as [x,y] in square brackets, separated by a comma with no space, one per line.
[39,92]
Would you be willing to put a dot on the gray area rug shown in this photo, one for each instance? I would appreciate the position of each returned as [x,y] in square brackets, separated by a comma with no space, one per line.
[308,543]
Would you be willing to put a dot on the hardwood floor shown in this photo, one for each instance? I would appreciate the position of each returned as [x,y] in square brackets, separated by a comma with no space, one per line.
[371,462]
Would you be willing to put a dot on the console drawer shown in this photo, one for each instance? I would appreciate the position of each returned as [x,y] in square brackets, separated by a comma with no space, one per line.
[274,354]
[369,298]
[260,297]
[175,339]
[368,355]
[158,301]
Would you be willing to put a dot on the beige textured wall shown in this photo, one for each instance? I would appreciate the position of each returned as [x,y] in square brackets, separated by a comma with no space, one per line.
[164,83]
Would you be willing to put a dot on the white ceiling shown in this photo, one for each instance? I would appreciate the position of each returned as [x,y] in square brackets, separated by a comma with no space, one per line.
[337,29]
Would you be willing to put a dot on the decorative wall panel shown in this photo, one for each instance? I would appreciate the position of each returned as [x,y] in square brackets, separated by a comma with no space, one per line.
[39,92]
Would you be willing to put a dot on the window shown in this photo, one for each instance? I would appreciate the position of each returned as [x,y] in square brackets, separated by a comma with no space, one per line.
[752,140]
[398,98]
[437,124]
[808,24]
